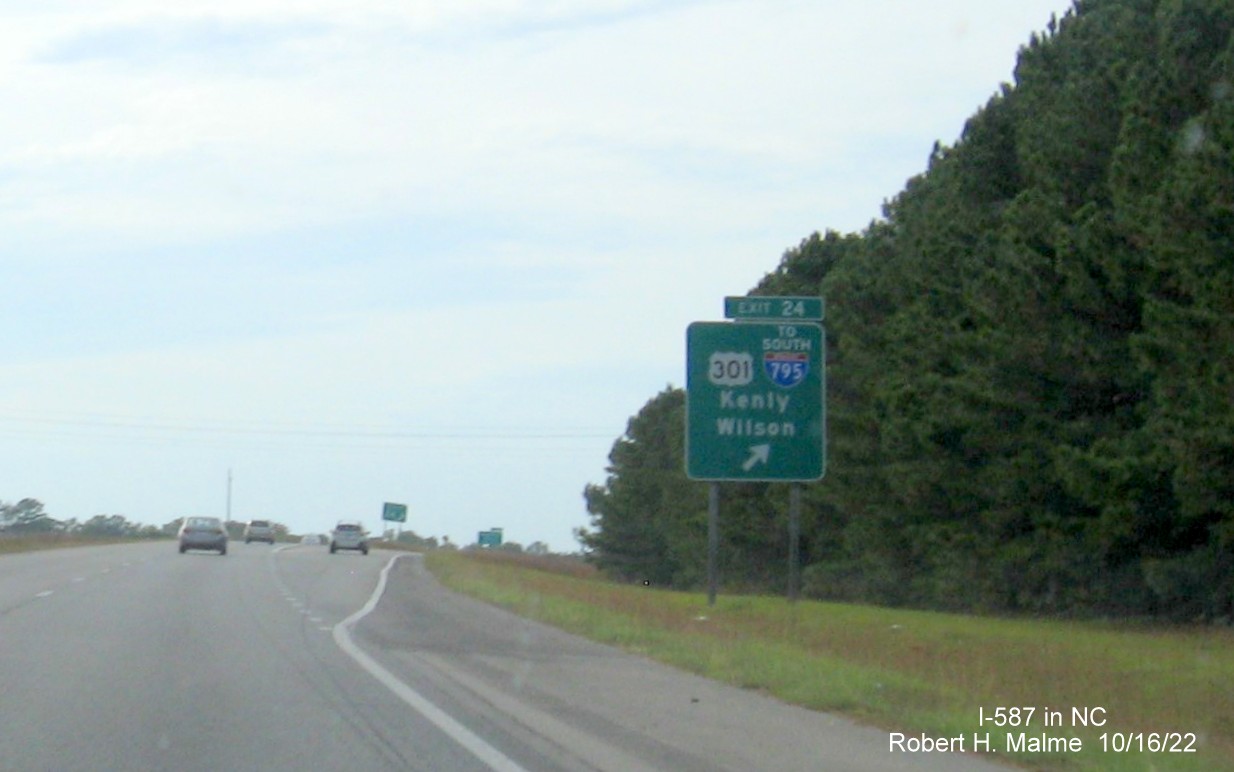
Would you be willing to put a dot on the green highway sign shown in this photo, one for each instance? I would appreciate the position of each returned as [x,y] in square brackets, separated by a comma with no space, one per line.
[489,538]
[777,308]
[395,513]
[754,401]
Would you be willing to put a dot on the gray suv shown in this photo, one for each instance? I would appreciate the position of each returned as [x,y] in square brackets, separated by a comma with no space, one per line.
[348,535]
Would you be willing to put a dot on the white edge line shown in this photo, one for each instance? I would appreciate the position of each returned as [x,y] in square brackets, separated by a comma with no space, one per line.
[486,753]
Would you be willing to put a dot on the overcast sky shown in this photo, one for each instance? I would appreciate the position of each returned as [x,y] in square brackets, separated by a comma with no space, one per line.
[434,253]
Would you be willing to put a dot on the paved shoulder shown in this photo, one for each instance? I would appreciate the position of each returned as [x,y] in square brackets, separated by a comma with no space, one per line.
[586,705]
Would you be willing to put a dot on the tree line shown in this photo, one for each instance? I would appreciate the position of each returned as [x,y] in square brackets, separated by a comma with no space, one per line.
[29,517]
[1030,357]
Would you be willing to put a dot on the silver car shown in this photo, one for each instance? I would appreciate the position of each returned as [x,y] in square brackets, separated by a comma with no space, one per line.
[348,536]
[203,533]
[259,530]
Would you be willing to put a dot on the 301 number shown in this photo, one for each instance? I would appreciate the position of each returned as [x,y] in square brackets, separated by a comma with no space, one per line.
[730,368]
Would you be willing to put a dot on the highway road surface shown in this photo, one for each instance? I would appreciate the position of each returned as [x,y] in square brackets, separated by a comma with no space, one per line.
[135,657]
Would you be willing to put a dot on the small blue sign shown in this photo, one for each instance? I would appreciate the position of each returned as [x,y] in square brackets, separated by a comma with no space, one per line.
[786,368]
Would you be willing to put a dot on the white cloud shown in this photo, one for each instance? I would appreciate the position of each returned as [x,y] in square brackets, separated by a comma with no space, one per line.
[590,122]
[363,213]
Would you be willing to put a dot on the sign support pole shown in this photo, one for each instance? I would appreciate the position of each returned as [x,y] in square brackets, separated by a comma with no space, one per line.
[794,541]
[756,408]
[713,539]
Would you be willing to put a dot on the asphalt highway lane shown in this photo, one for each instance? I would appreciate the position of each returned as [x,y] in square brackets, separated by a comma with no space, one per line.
[138,658]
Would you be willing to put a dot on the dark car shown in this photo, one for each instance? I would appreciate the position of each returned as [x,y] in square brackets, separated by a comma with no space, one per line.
[259,530]
[203,533]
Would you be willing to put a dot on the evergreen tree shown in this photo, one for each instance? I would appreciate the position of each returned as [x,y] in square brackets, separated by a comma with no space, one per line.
[1030,357]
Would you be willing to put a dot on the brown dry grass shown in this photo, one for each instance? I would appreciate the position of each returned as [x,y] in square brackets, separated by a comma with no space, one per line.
[48,541]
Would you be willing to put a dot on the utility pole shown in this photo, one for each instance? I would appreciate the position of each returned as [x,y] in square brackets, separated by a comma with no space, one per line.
[228,495]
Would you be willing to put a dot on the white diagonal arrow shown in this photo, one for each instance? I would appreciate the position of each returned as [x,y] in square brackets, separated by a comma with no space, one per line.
[758,454]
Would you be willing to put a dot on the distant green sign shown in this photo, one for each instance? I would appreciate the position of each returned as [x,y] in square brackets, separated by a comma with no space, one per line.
[754,401]
[491,538]
[395,513]
[799,309]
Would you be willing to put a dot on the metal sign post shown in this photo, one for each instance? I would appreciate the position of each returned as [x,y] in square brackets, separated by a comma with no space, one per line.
[713,540]
[794,541]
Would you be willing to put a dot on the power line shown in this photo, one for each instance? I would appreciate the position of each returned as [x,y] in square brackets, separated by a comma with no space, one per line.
[476,442]
[89,422]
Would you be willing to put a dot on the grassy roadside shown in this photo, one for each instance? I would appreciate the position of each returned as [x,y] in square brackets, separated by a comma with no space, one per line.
[54,541]
[910,671]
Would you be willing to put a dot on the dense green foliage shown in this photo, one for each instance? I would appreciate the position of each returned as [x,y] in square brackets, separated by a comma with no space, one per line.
[1031,356]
